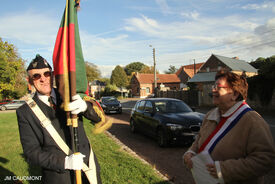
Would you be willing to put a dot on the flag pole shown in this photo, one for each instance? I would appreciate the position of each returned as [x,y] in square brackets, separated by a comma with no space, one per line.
[70,75]
[72,120]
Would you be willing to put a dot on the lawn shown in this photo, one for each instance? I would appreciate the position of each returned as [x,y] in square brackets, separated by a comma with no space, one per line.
[117,166]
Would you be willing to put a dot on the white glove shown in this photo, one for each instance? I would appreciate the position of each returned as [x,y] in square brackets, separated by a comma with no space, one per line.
[78,105]
[74,162]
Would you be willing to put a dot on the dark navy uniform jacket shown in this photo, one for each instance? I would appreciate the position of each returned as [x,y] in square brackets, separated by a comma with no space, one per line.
[39,147]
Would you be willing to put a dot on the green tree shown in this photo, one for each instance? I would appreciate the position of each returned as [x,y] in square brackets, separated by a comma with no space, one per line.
[147,69]
[172,69]
[110,88]
[133,67]
[92,71]
[12,73]
[105,80]
[258,63]
[263,84]
[119,77]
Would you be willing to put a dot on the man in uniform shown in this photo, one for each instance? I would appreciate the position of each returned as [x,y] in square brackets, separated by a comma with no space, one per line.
[38,145]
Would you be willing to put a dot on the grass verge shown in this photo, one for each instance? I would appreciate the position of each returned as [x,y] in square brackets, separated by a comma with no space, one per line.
[117,166]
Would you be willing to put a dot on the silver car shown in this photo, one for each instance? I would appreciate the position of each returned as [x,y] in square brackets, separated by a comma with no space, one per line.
[12,105]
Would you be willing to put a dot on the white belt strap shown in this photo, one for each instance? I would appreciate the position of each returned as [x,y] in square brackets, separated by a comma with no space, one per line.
[46,123]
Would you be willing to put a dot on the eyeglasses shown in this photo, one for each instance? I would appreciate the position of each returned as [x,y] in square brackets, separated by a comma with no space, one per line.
[218,87]
[37,76]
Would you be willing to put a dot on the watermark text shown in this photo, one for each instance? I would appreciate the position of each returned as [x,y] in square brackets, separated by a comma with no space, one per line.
[23,178]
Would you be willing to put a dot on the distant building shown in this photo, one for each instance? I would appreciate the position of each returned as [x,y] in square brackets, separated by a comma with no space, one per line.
[186,72]
[95,87]
[205,77]
[142,85]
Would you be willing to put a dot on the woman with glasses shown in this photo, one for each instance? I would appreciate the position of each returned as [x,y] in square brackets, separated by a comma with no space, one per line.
[236,137]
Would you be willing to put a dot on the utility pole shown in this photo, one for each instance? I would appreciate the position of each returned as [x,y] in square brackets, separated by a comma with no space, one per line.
[155,70]
[194,67]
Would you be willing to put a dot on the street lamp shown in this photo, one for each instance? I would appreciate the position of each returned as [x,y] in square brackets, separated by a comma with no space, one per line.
[155,73]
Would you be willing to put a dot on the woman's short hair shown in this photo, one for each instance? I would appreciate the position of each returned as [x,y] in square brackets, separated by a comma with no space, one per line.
[237,82]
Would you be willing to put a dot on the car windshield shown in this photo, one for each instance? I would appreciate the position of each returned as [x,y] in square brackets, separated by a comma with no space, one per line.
[109,100]
[172,107]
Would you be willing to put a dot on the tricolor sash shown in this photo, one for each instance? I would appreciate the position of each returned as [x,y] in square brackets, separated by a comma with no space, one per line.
[223,127]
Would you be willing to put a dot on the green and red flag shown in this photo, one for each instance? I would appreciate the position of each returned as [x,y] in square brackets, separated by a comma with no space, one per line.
[69,68]
[68,61]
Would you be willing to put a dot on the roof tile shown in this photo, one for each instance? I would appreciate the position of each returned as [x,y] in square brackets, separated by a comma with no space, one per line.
[161,78]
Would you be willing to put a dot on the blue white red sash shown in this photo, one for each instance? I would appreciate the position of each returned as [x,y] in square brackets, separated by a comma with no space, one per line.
[223,127]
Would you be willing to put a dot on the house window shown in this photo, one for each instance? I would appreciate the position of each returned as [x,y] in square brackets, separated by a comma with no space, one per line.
[147,90]
[207,69]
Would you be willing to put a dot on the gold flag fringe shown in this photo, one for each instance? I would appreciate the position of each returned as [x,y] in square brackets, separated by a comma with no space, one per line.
[105,123]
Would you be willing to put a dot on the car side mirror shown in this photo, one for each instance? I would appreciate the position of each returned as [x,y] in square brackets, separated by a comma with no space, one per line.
[193,109]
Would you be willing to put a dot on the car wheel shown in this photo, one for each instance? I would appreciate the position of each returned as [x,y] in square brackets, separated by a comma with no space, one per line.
[162,138]
[3,108]
[133,126]
[120,111]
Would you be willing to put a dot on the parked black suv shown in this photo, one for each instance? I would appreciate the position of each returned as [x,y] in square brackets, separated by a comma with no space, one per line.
[166,119]
[110,104]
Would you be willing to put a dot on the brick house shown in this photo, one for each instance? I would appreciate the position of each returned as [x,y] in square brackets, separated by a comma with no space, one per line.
[95,87]
[205,77]
[142,85]
[187,72]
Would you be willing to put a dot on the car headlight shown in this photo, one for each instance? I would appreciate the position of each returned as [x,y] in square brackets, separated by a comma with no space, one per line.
[119,105]
[174,126]
[103,106]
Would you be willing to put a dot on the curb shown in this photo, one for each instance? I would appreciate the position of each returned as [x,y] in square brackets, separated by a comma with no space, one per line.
[131,152]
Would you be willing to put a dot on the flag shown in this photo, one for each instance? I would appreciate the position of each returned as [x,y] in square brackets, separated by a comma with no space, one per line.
[69,67]
[68,61]
[70,73]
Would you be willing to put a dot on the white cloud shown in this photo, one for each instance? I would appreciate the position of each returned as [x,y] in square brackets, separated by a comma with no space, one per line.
[190,15]
[177,42]
[106,70]
[29,27]
[204,29]
[232,36]
[163,6]
[259,6]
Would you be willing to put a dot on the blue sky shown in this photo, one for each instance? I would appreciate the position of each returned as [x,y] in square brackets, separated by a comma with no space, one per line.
[118,32]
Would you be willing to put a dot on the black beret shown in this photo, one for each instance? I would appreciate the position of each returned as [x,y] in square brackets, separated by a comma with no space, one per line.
[38,63]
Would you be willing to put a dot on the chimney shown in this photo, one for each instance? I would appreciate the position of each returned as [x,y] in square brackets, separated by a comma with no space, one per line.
[236,57]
